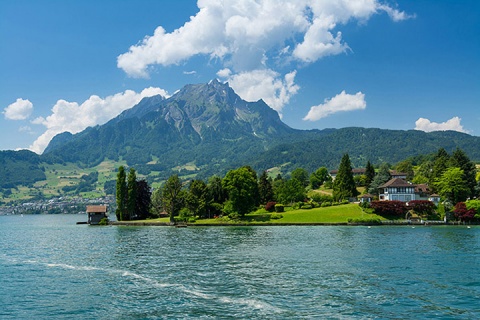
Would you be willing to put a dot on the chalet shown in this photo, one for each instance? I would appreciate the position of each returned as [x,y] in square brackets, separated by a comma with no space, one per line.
[401,190]
[398,174]
[361,171]
[355,172]
[96,213]
[397,189]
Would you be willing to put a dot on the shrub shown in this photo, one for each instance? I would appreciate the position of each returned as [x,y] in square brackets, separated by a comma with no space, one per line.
[234,216]
[321,197]
[385,208]
[326,204]
[103,222]
[423,207]
[276,216]
[279,208]
[367,221]
[270,206]
[364,205]
[462,213]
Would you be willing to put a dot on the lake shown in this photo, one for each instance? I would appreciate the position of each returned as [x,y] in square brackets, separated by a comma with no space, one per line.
[51,268]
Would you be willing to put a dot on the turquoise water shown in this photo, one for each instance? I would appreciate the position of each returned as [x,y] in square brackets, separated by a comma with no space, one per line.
[51,268]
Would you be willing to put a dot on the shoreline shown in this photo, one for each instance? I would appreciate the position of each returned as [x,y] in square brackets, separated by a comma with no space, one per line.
[180,225]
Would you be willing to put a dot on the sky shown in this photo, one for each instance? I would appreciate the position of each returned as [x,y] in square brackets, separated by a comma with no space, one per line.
[66,65]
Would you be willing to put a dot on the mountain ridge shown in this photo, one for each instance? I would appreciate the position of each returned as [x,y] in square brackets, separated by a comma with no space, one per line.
[207,129]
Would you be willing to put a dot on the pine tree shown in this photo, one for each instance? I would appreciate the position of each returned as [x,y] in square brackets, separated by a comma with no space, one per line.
[121,194]
[344,185]
[381,177]
[369,173]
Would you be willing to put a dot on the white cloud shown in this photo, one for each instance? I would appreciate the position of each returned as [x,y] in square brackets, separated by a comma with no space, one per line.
[189,72]
[244,35]
[74,117]
[263,84]
[395,14]
[428,126]
[19,110]
[340,103]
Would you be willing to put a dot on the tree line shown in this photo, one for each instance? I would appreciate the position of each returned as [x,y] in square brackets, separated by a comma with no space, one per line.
[242,191]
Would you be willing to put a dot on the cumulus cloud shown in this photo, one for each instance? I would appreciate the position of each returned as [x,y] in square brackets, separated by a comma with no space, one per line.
[244,35]
[19,110]
[340,103]
[429,126]
[74,117]
[264,84]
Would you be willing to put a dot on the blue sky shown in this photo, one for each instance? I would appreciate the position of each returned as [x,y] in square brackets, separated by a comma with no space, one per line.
[66,65]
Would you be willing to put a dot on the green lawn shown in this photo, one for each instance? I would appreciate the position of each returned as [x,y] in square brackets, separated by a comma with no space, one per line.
[334,214]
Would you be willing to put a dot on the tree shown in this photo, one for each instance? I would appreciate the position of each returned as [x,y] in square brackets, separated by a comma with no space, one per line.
[172,196]
[462,213]
[452,186]
[319,177]
[405,166]
[301,175]
[369,173]
[423,173]
[440,164]
[131,194]
[344,185]
[242,189]
[382,177]
[265,189]
[460,160]
[144,200]
[215,190]
[196,199]
[156,205]
[121,194]
[289,191]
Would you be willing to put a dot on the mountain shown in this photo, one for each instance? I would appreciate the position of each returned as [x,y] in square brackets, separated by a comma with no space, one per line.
[205,124]
[207,129]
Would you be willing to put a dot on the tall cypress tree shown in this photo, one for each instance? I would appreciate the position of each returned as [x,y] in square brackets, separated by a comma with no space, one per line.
[121,194]
[131,194]
[344,185]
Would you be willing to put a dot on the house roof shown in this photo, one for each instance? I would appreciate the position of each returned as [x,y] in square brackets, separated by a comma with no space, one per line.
[396,182]
[96,209]
[422,188]
[397,173]
[367,195]
[354,171]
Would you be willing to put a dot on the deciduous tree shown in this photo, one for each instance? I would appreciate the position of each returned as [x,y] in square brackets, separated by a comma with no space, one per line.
[242,189]
[452,186]
[172,196]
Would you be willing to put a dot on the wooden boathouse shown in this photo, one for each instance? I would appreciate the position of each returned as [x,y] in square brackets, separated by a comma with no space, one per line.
[96,213]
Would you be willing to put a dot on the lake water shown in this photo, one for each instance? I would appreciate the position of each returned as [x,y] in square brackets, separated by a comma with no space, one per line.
[51,268]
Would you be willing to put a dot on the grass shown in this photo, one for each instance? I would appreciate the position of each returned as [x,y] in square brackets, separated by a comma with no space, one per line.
[326,215]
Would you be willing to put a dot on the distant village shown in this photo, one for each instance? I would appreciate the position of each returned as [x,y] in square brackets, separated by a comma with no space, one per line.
[58,205]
